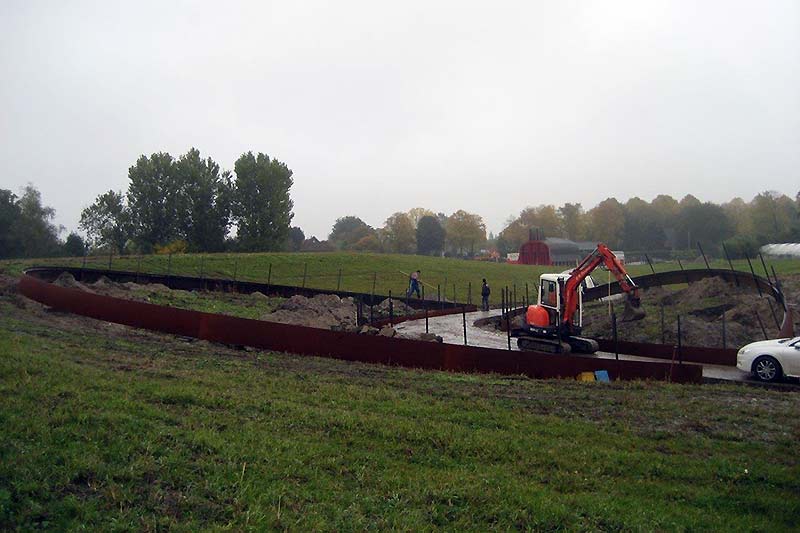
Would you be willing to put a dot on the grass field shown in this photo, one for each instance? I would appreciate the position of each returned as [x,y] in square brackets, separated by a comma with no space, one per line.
[113,429]
[389,272]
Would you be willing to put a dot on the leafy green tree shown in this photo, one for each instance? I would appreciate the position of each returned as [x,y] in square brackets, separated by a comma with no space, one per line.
[156,200]
[349,230]
[607,222]
[107,222]
[206,196]
[707,223]
[262,206]
[74,245]
[643,229]
[573,221]
[295,239]
[10,244]
[416,214]
[430,236]
[399,234]
[773,217]
[33,228]
[465,231]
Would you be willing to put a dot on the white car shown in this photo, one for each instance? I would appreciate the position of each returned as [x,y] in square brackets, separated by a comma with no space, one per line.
[770,360]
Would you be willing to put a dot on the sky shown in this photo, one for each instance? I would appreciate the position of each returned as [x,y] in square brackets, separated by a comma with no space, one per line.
[379,107]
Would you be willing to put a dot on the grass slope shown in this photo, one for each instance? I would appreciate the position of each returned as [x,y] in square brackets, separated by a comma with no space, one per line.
[359,270]
[107,428]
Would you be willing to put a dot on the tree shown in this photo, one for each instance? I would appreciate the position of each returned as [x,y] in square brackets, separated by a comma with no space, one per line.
[33,228]
[465,231]
[295,239]
[665,209]
[416,214]
[107,222]
[399,234]
[156,201]
[368,243]
[206,195]
[607,222]
[430,236]
[348,230]
[572,220]
[74,245]
[262,206]
[773,217]
[707,223]
[517,231]
[10,244]
[643,230]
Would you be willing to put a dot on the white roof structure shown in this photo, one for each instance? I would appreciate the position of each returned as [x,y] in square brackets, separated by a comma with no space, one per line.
[787,249]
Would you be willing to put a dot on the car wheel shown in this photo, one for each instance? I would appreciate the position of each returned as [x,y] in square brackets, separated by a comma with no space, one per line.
[766,368]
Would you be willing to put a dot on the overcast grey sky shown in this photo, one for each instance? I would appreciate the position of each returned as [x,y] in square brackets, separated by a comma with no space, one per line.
[378,107]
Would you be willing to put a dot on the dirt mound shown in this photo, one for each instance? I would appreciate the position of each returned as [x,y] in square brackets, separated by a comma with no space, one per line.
[700,306]
[399,308]
[67,280]
[325,311]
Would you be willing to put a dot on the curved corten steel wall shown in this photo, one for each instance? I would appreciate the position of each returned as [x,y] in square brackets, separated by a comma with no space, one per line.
[339,345]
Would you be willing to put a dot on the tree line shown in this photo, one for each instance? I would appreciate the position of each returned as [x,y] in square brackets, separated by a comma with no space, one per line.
[662,225]
[419,231]
[665,224]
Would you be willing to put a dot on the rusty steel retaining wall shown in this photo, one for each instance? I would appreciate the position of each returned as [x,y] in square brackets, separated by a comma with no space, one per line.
[340,345]
[50,273]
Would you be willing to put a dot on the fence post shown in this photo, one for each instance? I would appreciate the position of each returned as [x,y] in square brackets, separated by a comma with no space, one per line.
[138,268]
[682,270]
[515,296]
[753,272]
[454,293]
[391,309]
[374,279]
[169,269]
[764,264]
[704,255]
[761,324]
[269,275]
[774,316]
[469,292]
[339,281]
[650,263]
[508,330]
[663,328]
[527,296]
[680,351]
[614,332]
[110,257]
[305,271]
[724,332]
[730,264]
[464,321]
[202,261]
[235,269]
[439,296]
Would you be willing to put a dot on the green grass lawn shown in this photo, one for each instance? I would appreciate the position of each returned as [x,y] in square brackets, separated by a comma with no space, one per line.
[112,429]
[358,270]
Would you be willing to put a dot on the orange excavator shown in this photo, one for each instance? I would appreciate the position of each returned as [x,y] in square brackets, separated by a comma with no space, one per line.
[554,324]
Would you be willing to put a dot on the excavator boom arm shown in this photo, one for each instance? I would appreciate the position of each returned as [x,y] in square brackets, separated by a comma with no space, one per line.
[601,255]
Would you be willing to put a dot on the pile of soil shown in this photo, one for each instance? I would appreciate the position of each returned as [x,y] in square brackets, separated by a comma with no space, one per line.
[399,308]
[65,279]
[700,306]
[325,311]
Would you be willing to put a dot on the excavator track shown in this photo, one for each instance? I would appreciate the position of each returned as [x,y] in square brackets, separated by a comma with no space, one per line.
[583,345]
[538,344]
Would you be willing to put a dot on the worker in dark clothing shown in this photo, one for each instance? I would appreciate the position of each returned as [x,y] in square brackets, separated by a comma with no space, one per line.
[485,292]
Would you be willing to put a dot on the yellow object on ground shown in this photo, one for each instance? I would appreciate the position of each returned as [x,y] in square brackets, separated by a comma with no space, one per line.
[586,376]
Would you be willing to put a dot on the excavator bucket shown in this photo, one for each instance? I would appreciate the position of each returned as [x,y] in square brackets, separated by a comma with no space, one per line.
[633,309]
